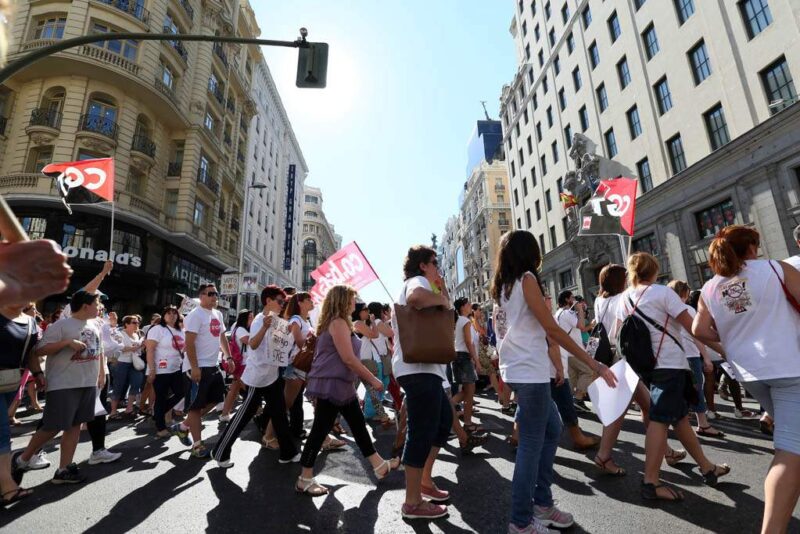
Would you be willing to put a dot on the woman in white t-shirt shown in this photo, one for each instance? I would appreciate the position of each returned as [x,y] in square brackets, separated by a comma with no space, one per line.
[671,380]
[124,374]
[747,306]
[238,338]
[466,362]
[365,328]
[525,366]
[165,344]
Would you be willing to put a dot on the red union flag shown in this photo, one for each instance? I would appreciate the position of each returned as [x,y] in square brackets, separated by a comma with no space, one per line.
[83,182]
[611,210]
[347,266]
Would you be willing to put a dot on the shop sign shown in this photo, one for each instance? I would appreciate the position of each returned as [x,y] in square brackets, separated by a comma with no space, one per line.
[228,284]
[189,273]
[249,283]
[91,254]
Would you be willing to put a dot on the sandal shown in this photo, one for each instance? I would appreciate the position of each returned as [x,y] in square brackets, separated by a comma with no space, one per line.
[474,428]
[650,493]
[310,486]
[673,457]
[337,429]
[473,440]
[18,495]
[606,470]
[270,444]
[703,431]
[711,478]
[389,465]
[332,444]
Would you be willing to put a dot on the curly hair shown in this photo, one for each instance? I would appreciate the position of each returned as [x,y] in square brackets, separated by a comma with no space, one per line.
[336,306]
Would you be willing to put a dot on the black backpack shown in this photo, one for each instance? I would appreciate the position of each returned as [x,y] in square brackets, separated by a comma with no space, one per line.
[634,343]
[599,345]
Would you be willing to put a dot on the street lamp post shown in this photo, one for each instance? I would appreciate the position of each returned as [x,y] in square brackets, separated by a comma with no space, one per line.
[242,234]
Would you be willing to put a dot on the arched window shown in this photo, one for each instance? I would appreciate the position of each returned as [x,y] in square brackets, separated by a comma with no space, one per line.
[49,112]
[101,115]
[309,262]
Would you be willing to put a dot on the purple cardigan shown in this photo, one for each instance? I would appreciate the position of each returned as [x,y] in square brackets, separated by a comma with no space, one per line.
[329,378]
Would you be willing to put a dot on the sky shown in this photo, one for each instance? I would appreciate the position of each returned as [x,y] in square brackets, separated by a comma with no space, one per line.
[386,141]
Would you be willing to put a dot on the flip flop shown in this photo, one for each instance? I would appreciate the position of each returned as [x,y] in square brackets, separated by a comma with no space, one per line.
[19,494]
[310,486]
[711,478]
[650,493]
[703,431]
[603,465]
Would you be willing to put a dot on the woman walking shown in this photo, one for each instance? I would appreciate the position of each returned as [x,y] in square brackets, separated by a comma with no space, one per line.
[525,367]
[366,329]
[165,344]
[124,374]
[466,362]
[239,337]
[751,307]
[331,385]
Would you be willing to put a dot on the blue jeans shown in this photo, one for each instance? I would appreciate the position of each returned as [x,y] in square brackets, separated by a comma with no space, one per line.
[429,416]
[125,375]
[539,431]
[6,399]
[780,397]
[696,364]
[562,396]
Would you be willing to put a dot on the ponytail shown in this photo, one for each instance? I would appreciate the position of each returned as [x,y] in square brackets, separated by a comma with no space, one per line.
[729,249]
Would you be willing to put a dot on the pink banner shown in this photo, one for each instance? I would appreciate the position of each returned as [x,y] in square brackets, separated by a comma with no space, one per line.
[347,266]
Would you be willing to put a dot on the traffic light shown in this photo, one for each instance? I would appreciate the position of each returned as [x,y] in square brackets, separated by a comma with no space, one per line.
[312,66]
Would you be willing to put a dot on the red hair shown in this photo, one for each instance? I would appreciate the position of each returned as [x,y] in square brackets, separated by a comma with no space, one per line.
[730,247]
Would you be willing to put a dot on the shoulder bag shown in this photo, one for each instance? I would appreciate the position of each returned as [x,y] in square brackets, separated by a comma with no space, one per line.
[426,335]
[792,301]
[10,378]
[302,360]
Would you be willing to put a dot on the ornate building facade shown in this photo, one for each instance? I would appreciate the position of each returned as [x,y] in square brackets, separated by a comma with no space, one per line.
[320,240]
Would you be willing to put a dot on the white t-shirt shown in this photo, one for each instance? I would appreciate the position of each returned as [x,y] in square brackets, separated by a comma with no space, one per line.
[399,367]
[259,373]
[523,345]
[658,303]
[687,340]
[605,311]
[367,351]
[568,321]
[126,356]
[170,343]
[305,329]
[759,329]
[382,343]
[112,341]
[208,325]
[794,261]
[461,340]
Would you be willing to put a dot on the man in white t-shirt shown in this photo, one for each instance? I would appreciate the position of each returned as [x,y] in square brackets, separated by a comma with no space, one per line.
[794,261]
[204,327]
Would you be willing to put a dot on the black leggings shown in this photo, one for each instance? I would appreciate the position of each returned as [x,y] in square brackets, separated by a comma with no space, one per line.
[97,427]
[169,390]
[325,414]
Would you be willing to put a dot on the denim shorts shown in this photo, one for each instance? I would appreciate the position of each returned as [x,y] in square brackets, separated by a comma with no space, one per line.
[668,396]
[6,399]
[429,416]
[293,374]
[464,369]
[697,370]
[780,397]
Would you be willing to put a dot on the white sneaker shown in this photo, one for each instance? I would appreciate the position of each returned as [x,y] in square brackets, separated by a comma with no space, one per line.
[104,456]
[39,461]
[293,460]
[225,417]
[224,464]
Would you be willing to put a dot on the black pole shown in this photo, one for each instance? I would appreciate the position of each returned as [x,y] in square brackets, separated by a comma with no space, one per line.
[21,63]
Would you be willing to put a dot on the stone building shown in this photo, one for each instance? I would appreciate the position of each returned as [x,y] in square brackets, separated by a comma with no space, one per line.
[320,240]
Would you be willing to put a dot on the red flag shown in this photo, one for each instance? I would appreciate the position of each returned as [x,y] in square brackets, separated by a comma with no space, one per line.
[94,176]
[346,266]
[612,208]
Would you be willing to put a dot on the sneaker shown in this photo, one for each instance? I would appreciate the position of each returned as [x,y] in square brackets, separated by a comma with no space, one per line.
[536,527]
[70,475]
[183,435]
[423,510]
[224,464]
[553,517]
[739,414]
[711,415]
[434,494]
[39,461]
[104,456]
[293,460]
[200,451]
[225,417]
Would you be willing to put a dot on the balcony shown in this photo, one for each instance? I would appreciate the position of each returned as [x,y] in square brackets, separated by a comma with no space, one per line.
[228,140]
[49,118]
[98,125]
[166,90]
[178,47]
[174,168]
[204,177]
[234,224]
[219,51]
[187,8]
[106,56]
[231,105]
[134,8]
[221,213]
[33,44]
[217,93]
[144,145]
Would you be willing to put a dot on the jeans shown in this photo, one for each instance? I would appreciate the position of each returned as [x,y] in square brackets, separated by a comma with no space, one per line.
[125,375]
[539,432]
[169,390]
[325,414]
[429,416]
[696,364]
[5,429]
[562,396]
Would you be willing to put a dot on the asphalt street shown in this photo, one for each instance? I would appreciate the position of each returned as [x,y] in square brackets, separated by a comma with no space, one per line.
[157,487]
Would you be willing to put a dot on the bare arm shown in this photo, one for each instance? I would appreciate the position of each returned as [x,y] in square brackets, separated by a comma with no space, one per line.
[341,340]
[255,339]
[297,334]
[150,346]
[468,340]
[367,331]
[583,326]
[422,298]
[94,283]
[685,320]
[554,353]
[223,344]
[191,349]
[703,327]
[385,329]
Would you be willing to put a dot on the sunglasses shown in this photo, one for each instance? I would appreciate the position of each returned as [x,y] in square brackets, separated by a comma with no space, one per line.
[211,294]
[134,322]
[434,262]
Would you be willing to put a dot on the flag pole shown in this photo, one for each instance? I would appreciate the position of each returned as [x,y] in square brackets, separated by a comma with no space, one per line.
[111,241]
[622,247]
[373,270]
[10,228]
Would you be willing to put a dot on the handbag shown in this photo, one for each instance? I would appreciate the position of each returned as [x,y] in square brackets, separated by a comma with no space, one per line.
[426,335]
[792,301]
[302,360]
[599,346]
[10,378]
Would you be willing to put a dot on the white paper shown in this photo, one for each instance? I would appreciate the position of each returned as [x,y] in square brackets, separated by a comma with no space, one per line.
[99,409]
[610,403]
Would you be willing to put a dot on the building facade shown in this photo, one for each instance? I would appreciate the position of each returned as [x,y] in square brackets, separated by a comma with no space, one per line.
[693,97]
[319,238]
[470,239]
[175,116]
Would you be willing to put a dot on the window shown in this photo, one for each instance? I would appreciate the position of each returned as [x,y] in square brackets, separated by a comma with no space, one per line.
[524,187]
[560,185]
[638,4]
[200,210]
[586,16]
[650,41]
[537,33]
[701,64]
[528,217]
[565,13]
[519,223]
[712,220]
[78,237]
[35,227]
[533,176]
[570,43]
[208,122]
[136,183]
[568,135]
[565,227]
[516,197]
[623,72]
[677,158]
[594,55]
[611,142]
[547,202]
[554,149]
[576,78]
[648,244]
[613,27]
[779,85]
[50,28]
[584,116]
[716,127]
[634,124]
[553,239]
[126,48]
[541,243]
[524,27]
[552,37]
[541,58]
[538,132]
[562,99]
[602,97]
[167,76]
[528,52]
[513,169]
[530,145]
[530,76]
[127,243]
[645,178]
[516,128]
[547,11]
[663,96]
[549,116]
[685,9]
[535,101]
[557,65]
[756,15]
[565,279]
[39,157]
[545,87]
[543,165]
[538,207]
[521,157]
